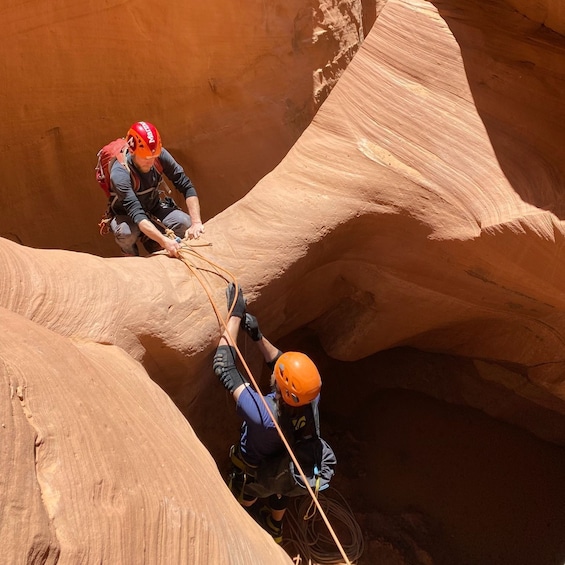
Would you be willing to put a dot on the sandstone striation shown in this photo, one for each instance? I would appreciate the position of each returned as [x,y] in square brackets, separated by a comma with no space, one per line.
[422,207]
[231,89]
[99,466]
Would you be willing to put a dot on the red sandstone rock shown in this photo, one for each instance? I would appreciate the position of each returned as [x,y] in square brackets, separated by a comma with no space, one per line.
[421,207]
[231,89]
[99,466]
[550,13]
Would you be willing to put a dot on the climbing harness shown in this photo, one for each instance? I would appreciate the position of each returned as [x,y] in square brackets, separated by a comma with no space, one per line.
[104,224]
[187,249]
[241,475]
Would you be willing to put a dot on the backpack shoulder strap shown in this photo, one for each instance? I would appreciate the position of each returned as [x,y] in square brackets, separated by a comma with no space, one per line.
[316,416]
[286,423]
[272,403]
[122,158]
[158,165]
[282,420]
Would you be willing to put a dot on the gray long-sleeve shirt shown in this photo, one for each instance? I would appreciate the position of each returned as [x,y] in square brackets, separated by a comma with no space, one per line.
[137,204]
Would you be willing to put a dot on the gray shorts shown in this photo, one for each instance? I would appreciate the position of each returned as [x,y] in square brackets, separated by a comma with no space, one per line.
[127,233]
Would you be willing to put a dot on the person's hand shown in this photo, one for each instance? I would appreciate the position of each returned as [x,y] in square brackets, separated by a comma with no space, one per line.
[172,247]
[195,230]
[250,324]
[238,302]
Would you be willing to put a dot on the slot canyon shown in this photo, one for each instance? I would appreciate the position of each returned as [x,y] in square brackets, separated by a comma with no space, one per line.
[384,179]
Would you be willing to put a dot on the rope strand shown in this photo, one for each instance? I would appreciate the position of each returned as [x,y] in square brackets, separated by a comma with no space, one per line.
[314,545]
[188,248]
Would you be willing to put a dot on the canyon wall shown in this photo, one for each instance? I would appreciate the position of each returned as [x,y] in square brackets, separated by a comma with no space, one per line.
[421,207]
[231,86]
[550,13]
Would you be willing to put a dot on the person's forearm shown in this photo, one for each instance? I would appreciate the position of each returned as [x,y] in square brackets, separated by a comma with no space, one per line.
[171,246]
[148,228]
[268,350]
[229,337]
[193,207]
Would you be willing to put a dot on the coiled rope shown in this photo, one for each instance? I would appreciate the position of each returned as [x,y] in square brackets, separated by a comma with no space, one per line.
[311,541]
[185,252]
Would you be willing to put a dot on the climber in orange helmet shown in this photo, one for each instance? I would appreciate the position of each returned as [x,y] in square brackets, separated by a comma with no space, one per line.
[293,401]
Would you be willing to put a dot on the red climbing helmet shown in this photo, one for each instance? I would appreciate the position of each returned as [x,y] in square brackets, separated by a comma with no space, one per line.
[144,140]
[298,378]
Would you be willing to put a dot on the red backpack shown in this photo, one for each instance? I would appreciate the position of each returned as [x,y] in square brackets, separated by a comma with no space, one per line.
[116,150]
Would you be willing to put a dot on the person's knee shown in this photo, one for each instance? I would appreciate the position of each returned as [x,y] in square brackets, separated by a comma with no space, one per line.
[247,503]
[178,221]
[278,501]
[124,231]
[126,236]
[126,239]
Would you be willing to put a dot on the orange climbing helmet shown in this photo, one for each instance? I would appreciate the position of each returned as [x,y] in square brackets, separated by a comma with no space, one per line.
[144,140]
[297,378]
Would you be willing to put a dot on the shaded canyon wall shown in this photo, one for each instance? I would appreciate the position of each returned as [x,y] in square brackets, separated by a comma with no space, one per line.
[231,86]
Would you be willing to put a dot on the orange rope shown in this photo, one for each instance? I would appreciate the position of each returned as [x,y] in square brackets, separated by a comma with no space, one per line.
[223,324]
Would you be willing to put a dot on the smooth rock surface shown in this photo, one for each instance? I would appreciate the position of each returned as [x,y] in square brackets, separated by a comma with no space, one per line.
[422,207]
[230,87]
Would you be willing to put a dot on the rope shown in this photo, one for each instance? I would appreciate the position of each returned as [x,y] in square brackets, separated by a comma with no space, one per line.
[190,249]
[311,543]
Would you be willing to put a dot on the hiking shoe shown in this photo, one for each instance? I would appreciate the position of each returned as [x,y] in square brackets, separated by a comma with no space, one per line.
[271,526]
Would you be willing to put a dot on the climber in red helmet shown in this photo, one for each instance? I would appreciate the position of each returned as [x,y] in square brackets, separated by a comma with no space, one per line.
[136,207]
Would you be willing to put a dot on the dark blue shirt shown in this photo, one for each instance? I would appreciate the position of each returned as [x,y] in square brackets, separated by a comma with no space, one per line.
[138,203]
[259,437]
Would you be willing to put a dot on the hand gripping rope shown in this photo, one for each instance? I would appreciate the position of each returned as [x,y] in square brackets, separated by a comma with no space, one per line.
[186,251]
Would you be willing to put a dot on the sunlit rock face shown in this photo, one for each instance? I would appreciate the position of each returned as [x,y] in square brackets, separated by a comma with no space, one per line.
[433,170]
[99,466]
[422,207]
[230,89]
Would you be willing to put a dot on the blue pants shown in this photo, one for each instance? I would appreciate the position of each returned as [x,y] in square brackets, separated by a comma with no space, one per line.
[127,233]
